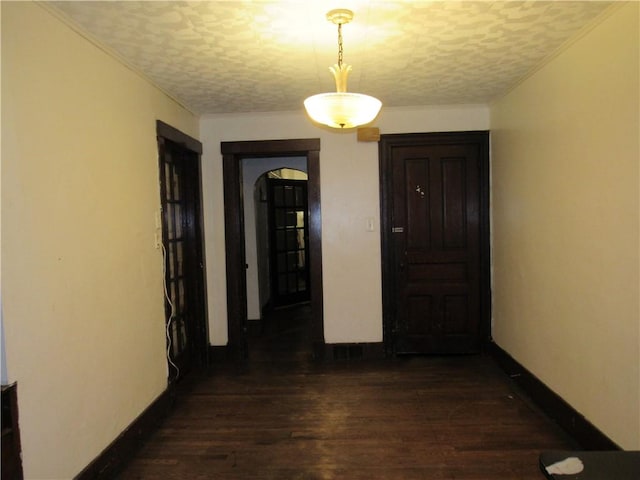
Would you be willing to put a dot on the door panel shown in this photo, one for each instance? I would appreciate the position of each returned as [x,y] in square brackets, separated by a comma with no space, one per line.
[187,338]
[454,203]
[289,229]
[174,245]
[432,279]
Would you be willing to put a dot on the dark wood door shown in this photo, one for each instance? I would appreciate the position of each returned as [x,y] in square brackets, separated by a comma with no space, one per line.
[289,237]
[187,339]
[435,199]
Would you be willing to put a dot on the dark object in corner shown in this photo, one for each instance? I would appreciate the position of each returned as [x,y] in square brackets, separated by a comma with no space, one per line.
[11,459]
[618,465]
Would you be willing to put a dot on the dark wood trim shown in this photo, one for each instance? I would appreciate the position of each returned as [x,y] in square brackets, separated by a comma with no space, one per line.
[171,133]
[384,177]
[11,447]
[235,255]
[270,148]
[552,404]
[386,145]
[315,245]
[485,236]
[122,449]
[232,155]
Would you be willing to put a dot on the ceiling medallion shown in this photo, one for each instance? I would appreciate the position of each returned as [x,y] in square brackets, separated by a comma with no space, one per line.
[342,109]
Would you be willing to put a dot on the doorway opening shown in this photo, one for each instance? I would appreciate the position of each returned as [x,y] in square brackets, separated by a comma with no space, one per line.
[234,154]
[277,259]
[280,241]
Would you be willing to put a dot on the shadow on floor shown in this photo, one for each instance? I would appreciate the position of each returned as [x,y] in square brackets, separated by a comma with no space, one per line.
[284,337]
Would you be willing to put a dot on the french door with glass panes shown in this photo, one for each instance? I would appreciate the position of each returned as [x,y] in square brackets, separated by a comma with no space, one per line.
[182,248]
[288,218]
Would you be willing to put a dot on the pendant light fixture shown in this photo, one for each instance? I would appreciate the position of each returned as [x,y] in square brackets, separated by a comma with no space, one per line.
[342,109]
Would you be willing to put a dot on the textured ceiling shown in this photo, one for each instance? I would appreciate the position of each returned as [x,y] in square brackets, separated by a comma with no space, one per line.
[267,55]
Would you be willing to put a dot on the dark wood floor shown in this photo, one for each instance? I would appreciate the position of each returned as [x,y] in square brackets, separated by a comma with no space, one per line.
[280,416]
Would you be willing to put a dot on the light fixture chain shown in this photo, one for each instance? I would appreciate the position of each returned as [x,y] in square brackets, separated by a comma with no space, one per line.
[341,109]
[340,51]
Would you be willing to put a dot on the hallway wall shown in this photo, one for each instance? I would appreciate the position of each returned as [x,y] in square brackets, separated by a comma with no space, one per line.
[349,184]
[82,297]
[565,159]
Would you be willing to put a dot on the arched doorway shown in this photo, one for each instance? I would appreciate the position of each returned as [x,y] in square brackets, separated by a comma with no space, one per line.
[276,235]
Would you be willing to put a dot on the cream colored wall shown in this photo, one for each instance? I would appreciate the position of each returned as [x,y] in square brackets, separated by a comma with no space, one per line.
[349,185]
[82,290]
[565,155]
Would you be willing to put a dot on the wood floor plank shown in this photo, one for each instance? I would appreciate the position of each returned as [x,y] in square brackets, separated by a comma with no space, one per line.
[408,418]
[427,418]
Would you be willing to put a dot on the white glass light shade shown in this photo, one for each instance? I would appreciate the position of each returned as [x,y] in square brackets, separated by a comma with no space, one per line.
[342,109]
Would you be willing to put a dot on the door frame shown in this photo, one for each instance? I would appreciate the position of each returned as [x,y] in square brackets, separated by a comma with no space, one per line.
[199,355]
[385,154]
[232,155]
